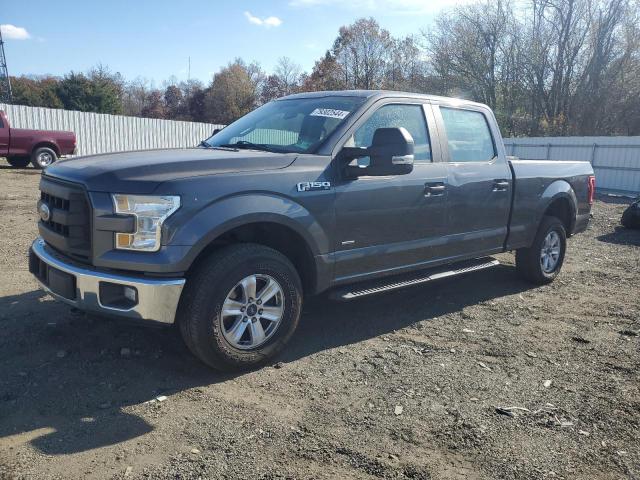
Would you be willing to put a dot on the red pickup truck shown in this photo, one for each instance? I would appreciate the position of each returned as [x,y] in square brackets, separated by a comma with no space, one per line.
[40,147]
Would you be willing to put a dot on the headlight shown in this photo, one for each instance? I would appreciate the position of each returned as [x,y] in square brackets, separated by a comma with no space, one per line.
[150,213]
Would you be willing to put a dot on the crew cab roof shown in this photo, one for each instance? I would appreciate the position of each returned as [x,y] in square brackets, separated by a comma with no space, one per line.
[375,94]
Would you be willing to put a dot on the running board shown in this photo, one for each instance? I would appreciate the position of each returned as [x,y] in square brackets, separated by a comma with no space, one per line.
[395,283]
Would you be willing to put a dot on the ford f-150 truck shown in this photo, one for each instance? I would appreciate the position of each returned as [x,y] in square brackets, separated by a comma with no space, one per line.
[39,147]
[352,192]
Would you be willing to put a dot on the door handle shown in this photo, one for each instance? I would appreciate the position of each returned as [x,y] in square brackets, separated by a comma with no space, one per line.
[500,185]
[434,189]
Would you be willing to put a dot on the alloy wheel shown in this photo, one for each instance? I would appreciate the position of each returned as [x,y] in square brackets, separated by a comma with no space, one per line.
[44,159]
[550,252]
[252,311]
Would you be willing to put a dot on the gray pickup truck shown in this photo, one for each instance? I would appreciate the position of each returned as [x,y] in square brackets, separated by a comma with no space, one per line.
[352,192]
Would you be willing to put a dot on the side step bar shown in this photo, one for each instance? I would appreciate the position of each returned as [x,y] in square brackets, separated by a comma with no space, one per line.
[395,283]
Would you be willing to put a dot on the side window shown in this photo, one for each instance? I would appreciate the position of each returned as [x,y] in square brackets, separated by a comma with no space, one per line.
[410,117]
[468,134]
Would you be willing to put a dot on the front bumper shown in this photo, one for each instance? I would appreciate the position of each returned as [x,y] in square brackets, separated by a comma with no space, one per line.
[87,289]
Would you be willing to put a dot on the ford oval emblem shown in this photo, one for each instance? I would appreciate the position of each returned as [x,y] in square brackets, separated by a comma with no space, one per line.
[45,213]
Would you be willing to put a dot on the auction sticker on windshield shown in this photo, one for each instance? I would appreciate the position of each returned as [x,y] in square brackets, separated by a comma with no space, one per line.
[329,112]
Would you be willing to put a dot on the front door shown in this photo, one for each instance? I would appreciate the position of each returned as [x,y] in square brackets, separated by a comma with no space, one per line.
[4,137]
[385,224]
[479,182]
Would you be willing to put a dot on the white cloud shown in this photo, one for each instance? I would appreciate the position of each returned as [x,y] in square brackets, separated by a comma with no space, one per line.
[272,22]
[252,19]
[265,22]
[413,7]
[11,32]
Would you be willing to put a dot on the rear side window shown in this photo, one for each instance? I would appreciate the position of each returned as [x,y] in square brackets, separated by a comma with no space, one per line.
[410,117]
[468,135]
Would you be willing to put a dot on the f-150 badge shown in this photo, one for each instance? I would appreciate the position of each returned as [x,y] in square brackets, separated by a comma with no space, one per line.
[310,186]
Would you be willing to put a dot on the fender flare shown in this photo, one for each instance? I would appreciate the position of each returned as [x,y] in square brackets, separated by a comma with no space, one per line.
[559,189]
[46,143]
[223,215]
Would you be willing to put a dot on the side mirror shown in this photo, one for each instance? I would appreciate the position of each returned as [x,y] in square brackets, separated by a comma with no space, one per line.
[215,130]
[390,153]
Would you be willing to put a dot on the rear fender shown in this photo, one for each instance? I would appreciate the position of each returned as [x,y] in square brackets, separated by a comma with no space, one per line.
[530,207]
[48,143]
[560,189]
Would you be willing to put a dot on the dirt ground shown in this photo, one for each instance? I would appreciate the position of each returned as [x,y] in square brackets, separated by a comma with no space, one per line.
[474,378]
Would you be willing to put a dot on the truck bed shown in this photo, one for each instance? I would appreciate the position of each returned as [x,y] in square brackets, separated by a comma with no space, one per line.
[532,179]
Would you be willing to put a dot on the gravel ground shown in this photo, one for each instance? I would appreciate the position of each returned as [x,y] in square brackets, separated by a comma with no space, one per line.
[474,378]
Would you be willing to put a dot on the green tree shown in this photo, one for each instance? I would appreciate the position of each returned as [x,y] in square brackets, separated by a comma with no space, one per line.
[106,90]
[99,91]
[75,91]
[36,92]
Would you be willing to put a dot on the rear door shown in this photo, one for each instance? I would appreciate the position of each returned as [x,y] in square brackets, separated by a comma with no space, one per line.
[479,180]
[386,224]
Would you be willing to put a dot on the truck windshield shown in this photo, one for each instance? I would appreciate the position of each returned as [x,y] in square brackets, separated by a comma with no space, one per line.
[297,125]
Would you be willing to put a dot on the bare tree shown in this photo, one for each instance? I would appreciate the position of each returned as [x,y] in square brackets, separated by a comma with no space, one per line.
[406,66]
[476,52]
[288,73]
[556,54]
[362,52]
[608,57]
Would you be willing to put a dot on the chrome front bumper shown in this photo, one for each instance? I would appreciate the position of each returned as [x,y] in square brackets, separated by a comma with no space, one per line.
[156,299]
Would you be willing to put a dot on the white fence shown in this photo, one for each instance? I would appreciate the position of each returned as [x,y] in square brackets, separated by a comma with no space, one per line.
[101,133]
[615,160]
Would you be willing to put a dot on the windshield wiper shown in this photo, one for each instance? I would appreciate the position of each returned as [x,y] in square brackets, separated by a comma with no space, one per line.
[248,146]
[204,144]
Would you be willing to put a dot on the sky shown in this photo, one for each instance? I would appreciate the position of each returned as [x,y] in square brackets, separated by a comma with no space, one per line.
[154,39]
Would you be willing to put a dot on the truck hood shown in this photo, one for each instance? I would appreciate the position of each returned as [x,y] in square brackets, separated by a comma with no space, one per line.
[142,171]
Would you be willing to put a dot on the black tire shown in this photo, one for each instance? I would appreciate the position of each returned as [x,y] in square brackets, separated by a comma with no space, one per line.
[631,216]
[528,260]
[18,162]
[43,157]
[200,311]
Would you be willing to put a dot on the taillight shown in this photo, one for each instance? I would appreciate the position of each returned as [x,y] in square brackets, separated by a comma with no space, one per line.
[592,189]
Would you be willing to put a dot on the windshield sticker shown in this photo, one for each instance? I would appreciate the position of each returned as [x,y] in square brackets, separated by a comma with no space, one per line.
[329,112]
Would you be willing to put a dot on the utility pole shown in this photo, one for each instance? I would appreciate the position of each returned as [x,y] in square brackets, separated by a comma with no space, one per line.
[5,82]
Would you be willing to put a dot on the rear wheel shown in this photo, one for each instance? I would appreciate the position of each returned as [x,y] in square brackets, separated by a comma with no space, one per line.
[541,263]
[240,307]
[43,157]
[18,162]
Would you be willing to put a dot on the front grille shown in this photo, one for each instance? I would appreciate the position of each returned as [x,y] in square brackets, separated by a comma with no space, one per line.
[68,228]
[61,204]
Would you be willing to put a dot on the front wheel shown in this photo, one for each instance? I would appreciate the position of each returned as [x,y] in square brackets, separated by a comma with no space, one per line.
[43,157]
[541,263]
[240,307]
